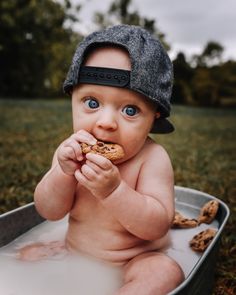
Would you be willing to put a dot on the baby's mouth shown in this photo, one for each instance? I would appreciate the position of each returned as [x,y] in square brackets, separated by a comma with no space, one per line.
[105,141]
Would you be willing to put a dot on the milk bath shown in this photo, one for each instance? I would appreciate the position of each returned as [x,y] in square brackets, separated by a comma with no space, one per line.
[63,274]
[78,274]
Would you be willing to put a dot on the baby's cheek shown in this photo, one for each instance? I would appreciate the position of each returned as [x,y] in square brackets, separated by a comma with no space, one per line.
[133,147]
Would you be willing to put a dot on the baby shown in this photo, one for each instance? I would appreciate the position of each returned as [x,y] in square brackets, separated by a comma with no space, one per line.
[121,211]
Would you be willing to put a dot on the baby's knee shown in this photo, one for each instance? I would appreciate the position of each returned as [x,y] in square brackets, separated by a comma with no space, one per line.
[157,268]
[173,270]
[167,268]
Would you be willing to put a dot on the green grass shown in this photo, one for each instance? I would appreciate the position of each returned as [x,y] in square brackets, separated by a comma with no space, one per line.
[202,149]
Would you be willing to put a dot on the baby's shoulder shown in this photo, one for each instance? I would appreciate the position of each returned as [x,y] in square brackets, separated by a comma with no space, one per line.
[152,154]
[155,155]
[151,148]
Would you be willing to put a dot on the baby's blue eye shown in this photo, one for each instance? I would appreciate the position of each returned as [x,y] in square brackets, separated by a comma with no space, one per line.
[92,103]
[130,110]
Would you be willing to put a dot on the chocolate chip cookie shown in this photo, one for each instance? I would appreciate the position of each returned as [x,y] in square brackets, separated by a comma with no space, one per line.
[182,222]
[208,212]
[111,151]
[202,240]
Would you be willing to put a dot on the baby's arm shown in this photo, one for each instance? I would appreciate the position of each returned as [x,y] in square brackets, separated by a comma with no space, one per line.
[147,211]
[54,194]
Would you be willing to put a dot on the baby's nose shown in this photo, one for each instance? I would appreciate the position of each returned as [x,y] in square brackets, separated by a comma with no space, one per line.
[107,120]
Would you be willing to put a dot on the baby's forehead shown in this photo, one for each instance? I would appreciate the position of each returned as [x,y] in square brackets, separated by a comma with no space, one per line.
[108,57]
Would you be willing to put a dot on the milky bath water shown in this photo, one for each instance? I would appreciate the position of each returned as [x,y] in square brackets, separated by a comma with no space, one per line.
[78,274]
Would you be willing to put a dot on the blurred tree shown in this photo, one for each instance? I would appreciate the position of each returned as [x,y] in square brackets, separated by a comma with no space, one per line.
[224,76]
[204,88]
[183,75]
[182,69]
[206,80]
[211,54]
[34,46]
[120,12]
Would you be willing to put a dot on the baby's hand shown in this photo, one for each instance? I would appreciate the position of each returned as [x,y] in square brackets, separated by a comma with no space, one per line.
[98,175]
[69,153]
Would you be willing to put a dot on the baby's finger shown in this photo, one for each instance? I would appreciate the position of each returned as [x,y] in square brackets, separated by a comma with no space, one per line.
[71,167]
[88,172]
[93,166]
[68,153]
[81,178]
[68,166]
[84,136]
[100,161]
[75,146]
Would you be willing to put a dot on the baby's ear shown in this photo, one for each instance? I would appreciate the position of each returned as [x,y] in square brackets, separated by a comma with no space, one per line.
[157,115]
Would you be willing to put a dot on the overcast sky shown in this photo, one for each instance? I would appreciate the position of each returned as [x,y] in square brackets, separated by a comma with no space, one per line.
[187,24]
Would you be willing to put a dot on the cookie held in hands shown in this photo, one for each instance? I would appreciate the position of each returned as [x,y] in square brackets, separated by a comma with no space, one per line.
[111,151]
[208,212]
[202,240]
[182,222]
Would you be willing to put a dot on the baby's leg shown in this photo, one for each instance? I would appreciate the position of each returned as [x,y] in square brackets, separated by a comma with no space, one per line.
[151,273]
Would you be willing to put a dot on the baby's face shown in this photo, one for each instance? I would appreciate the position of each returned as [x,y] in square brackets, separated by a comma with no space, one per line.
[112,114]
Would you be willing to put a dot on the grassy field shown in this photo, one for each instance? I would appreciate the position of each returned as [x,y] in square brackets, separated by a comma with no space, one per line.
[202,149]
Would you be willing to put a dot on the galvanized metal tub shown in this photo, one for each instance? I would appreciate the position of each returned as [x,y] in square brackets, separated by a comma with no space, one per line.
[201,279]
[198,282]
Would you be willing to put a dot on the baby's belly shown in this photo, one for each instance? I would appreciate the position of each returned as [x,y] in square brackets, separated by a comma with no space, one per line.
[114,246]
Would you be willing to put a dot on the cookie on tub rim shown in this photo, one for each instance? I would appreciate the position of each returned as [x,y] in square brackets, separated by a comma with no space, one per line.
[208,212]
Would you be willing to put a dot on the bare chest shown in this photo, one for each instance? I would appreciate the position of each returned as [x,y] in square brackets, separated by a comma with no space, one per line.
[89,209]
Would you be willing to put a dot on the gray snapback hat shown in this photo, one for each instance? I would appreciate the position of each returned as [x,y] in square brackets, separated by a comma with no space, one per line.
[151,69]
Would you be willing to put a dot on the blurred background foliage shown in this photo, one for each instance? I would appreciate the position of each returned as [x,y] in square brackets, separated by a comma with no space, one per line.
[35,47]
[37,42]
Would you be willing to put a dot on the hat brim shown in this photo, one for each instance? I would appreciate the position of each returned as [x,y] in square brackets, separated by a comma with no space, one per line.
[162,126]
